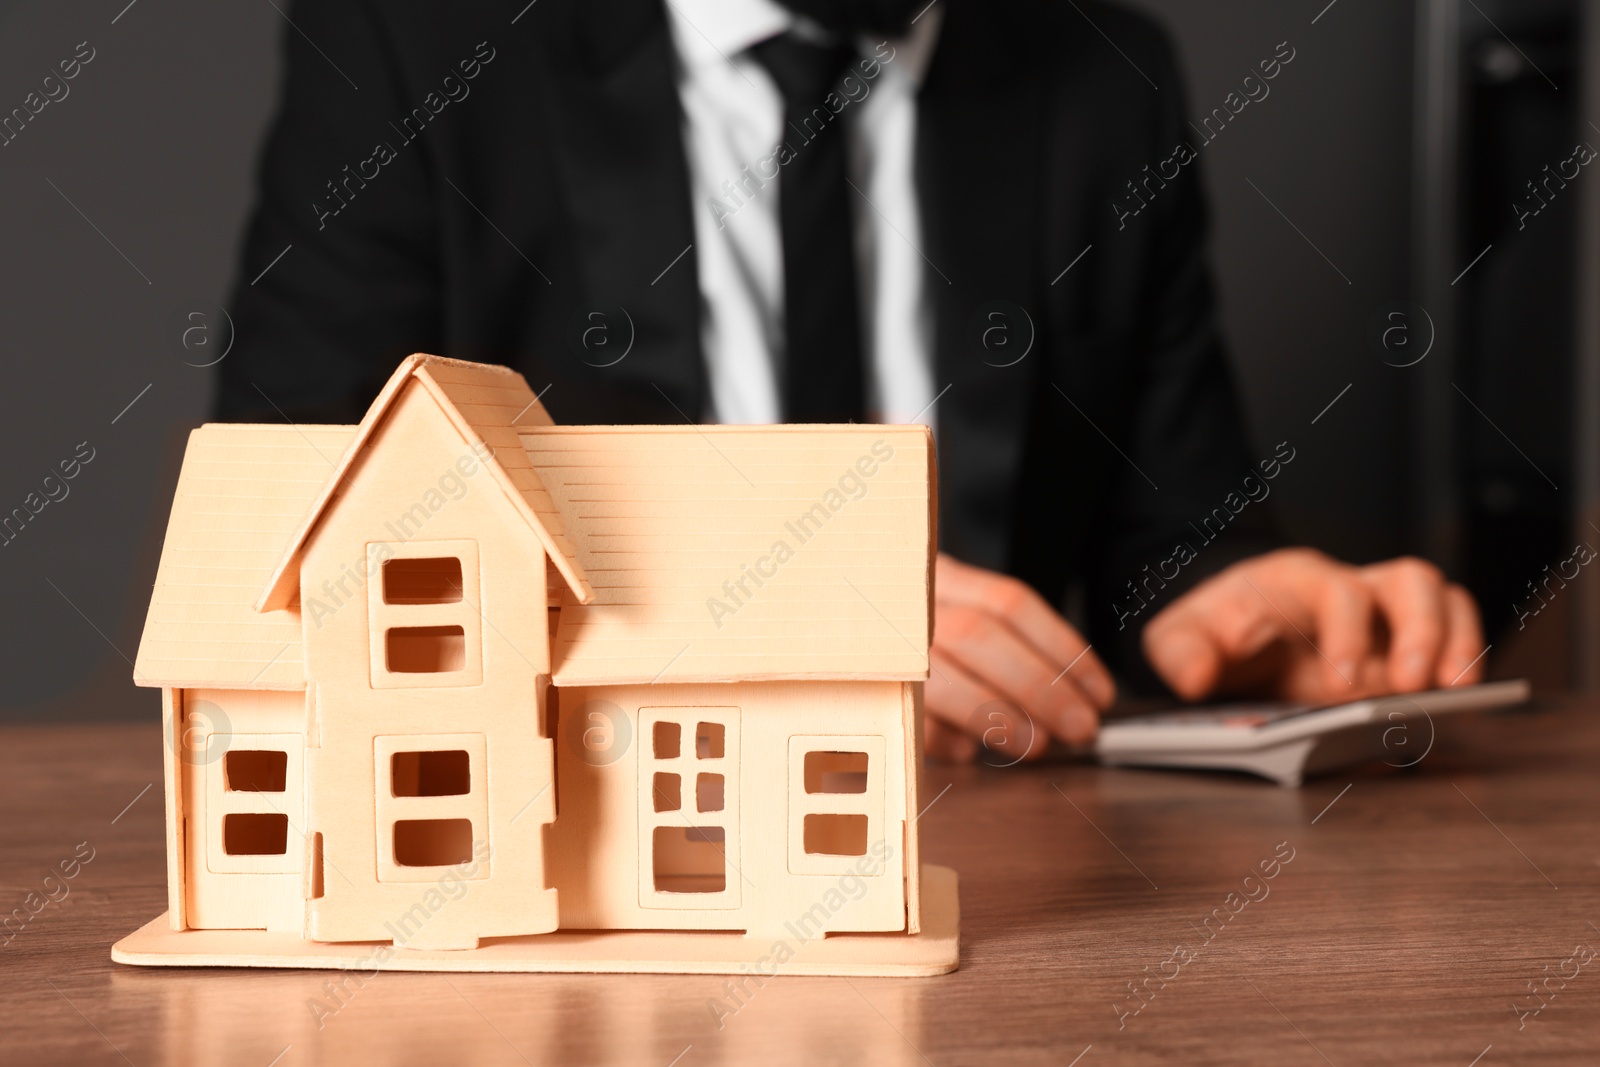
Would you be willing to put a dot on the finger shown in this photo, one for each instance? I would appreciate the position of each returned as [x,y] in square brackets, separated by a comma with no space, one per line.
[1221,623]
[1342,609]
[1003,662]
[1461,662]
[1017,605]
[1183,653]
[966,704]
[945,743]
[1237,615]
[1412,596]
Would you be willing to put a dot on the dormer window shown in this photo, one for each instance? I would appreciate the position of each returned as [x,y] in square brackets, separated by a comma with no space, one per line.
[422,611]
[422,580]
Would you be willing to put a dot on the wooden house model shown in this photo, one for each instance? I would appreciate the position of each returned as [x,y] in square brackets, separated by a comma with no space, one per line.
[459,688]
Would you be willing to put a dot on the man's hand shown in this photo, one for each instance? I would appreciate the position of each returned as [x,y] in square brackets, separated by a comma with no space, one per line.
[1008,671]
[1297,625]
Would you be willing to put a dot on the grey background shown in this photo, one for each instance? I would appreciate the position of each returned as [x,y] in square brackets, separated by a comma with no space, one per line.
[155,146]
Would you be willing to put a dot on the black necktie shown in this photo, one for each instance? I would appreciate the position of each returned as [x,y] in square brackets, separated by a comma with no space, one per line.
[823,376]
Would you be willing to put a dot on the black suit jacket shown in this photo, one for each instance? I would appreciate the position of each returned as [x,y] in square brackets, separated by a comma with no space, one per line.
[493,218]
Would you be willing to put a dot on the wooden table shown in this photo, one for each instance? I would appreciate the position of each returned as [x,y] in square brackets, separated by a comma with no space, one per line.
[1416,909]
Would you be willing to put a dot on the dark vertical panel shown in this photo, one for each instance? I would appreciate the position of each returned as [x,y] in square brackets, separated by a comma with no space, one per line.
[1330,147]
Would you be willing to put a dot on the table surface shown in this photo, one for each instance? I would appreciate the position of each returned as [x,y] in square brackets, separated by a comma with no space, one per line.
[1418,907]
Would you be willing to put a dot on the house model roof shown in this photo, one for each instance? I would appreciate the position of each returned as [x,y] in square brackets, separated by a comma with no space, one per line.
[242,494]
[726,552]
[687,553]
[485,403]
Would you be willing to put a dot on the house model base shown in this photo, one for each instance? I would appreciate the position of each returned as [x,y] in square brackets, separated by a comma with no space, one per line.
[461,689]
[933,951]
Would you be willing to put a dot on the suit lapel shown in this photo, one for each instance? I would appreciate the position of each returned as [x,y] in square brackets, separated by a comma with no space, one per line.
[625,176]
[979,162]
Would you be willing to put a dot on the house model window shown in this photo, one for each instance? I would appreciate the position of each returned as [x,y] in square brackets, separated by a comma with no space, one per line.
[836,802]
[689,817]
[426,628]
[250,802]
[432,803]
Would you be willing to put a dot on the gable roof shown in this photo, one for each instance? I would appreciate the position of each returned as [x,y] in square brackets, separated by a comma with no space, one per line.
[705,554]
[241,493]
[486,404]
[665,515]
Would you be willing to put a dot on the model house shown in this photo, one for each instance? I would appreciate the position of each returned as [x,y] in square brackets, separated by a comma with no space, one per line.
[462,680]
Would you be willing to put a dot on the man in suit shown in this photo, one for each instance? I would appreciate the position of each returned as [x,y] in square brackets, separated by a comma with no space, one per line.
[825,210]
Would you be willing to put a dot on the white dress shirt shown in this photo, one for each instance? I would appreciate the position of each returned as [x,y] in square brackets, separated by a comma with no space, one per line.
[733,123]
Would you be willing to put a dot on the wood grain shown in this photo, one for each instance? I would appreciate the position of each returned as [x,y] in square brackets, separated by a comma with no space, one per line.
[1415,910]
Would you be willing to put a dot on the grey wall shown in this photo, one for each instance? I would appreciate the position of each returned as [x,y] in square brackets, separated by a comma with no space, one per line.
[1331,149]
[154,145]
